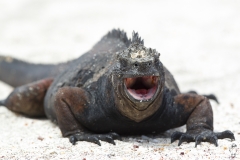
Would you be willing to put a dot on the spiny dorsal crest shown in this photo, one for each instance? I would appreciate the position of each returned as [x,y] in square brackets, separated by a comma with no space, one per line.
[117,33]
[136,49]
[136,39]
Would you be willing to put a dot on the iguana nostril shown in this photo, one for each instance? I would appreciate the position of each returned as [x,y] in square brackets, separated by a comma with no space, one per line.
[143,65]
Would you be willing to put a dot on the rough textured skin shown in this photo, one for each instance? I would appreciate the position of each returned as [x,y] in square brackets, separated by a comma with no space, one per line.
[11,68]
[28,99]
[118,87]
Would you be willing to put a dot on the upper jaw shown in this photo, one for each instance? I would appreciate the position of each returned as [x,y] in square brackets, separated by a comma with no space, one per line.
[135,75]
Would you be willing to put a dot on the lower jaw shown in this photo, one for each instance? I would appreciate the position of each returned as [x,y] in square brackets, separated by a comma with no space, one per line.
[141,104]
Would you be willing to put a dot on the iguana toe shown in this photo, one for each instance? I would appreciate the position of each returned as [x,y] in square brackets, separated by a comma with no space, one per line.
[225,134]
[175,136]
[212,97]
[89,138]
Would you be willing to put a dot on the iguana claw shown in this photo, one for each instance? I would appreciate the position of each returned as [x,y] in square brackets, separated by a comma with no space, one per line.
[208,96]
[212,97]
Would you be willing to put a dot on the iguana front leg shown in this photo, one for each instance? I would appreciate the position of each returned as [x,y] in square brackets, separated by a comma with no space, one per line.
[70,104]
[200,121]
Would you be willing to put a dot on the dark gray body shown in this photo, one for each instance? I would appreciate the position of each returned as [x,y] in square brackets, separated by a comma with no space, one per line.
[89,70]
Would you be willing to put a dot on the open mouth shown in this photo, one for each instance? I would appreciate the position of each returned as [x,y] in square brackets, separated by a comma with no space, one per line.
[142,88]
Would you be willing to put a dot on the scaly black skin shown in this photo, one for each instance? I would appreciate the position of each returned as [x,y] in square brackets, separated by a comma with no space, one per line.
[89,99]
[17,73]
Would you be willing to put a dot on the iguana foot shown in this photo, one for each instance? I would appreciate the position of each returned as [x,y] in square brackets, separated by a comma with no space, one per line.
[110,137]
[212,97]
[201,136]
[208,96]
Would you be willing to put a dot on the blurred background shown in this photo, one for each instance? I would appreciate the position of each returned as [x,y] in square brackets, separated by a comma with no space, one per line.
[199,42]
[194,37]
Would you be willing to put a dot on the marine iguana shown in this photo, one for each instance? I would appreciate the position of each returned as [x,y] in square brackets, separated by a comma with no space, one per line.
[118,87]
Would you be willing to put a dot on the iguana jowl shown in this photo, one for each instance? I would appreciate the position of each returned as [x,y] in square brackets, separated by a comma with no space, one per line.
[118,87]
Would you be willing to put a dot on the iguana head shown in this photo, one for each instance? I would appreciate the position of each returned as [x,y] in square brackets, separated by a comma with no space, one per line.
[139,80]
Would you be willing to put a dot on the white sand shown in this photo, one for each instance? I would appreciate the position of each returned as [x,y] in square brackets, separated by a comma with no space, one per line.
[199,42]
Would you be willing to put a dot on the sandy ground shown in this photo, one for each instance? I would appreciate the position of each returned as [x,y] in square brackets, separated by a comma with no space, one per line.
[199,42]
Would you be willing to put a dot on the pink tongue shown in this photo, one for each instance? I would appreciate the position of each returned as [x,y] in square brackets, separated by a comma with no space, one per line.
[141,91]
[140,94]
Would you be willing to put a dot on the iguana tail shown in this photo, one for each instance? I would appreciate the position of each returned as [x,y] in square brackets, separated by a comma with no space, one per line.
[16,72]
[2,102]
